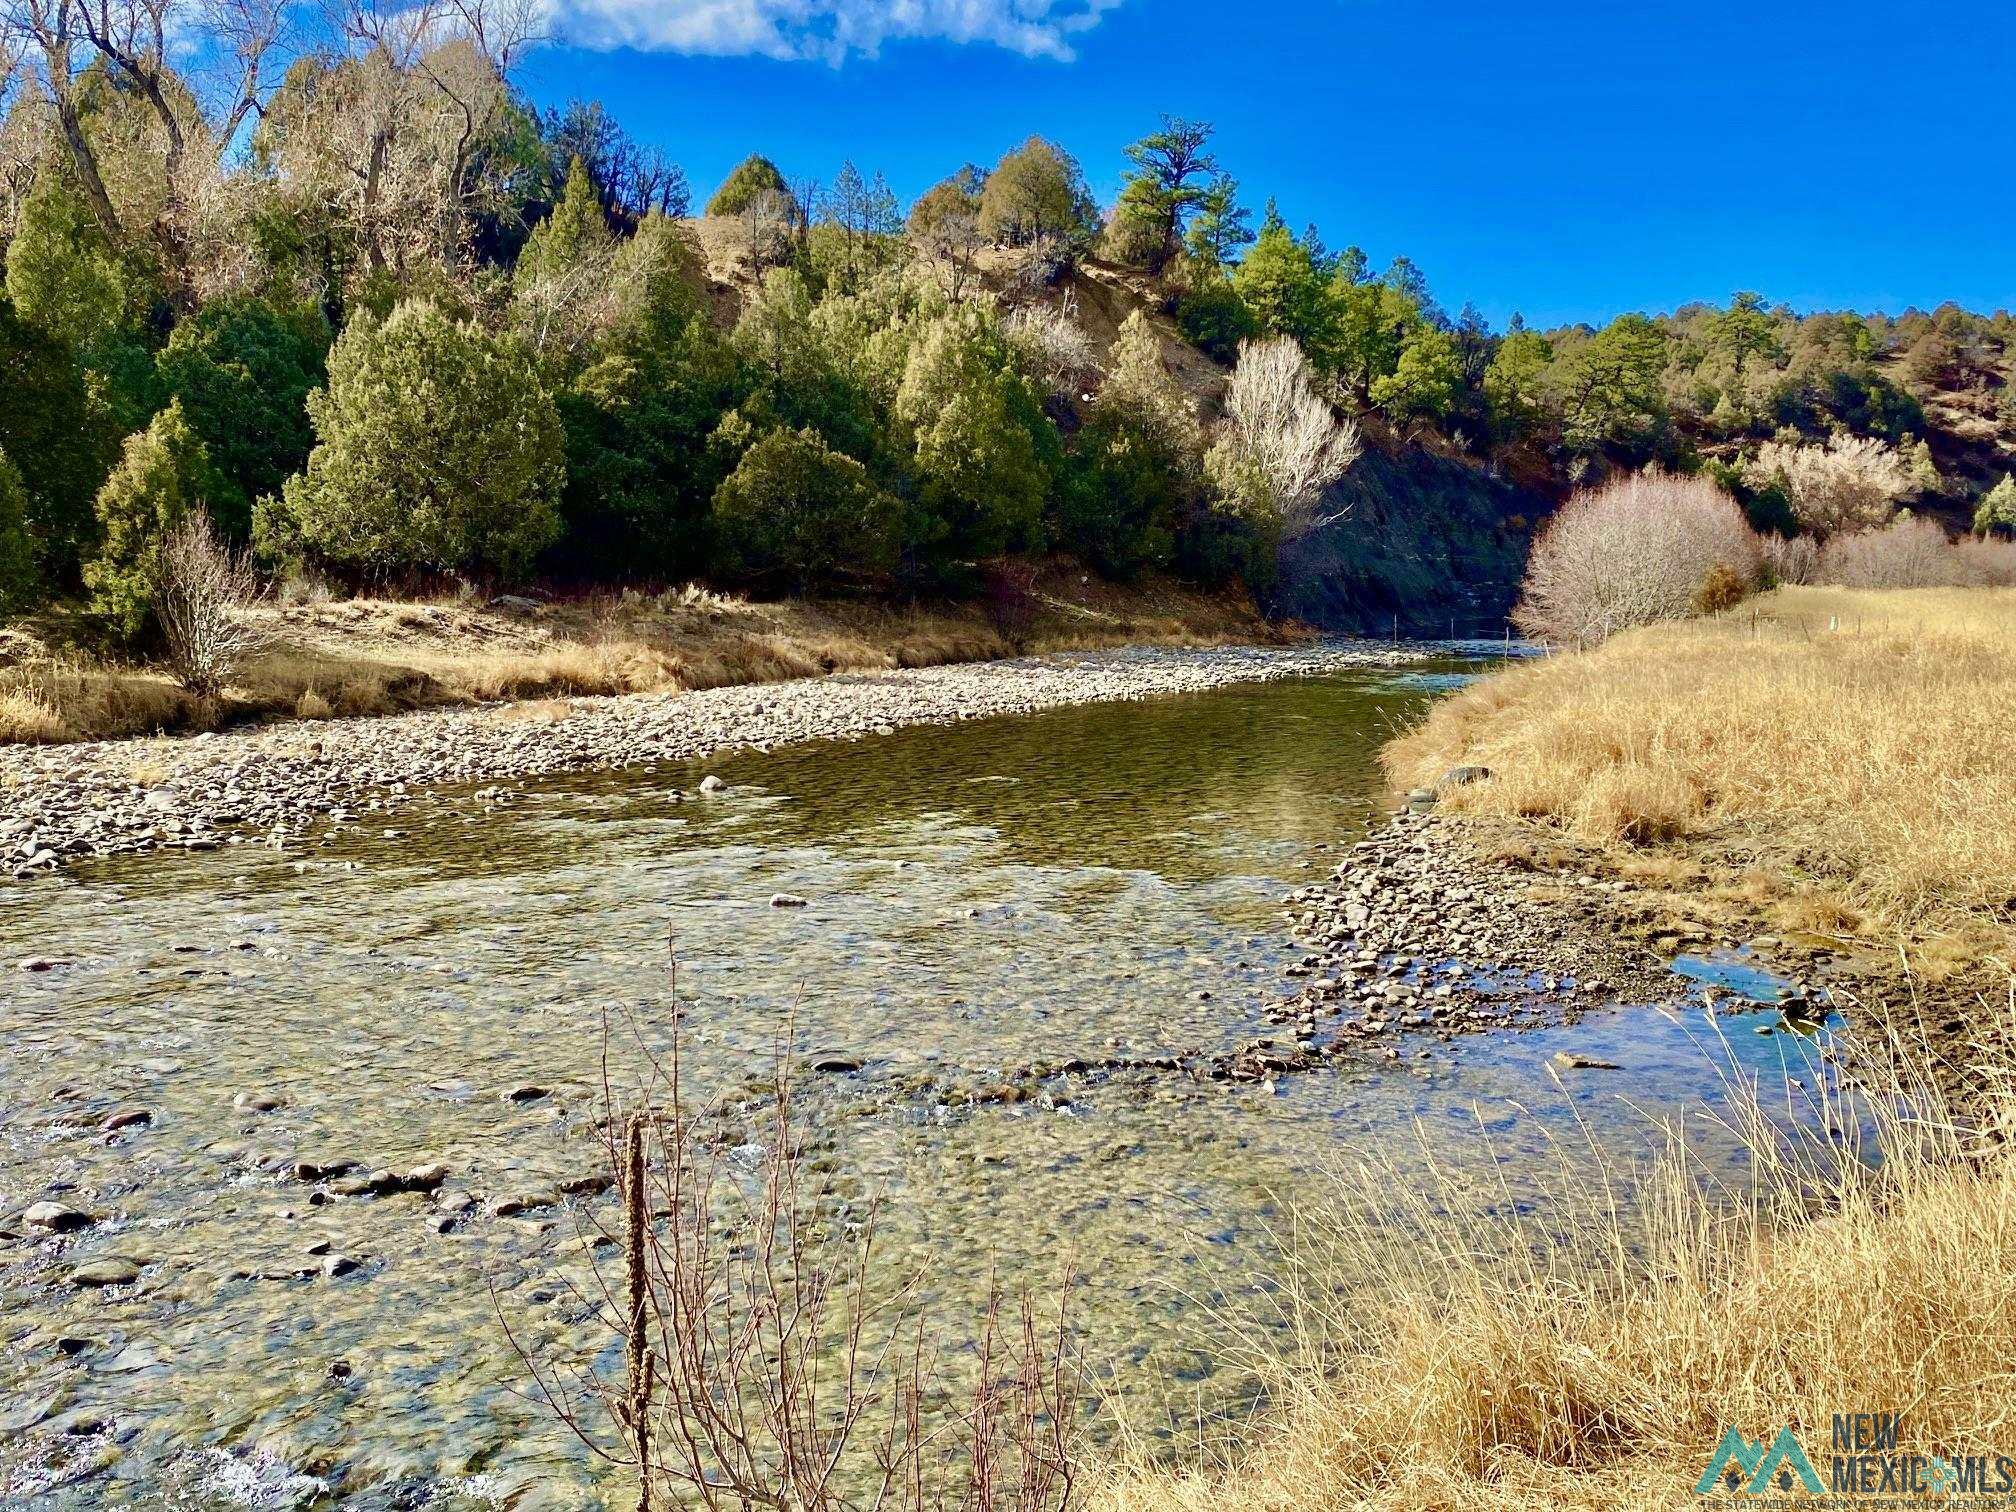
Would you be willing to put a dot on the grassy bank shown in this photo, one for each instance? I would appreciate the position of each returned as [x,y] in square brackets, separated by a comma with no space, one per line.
[1837,761]
[1842,765]
[360,657]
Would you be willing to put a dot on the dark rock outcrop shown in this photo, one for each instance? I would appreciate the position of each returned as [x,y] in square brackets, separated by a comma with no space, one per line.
[1427,540]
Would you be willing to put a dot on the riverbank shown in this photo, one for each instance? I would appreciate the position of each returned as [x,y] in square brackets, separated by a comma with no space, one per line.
[300,784]
[1833,762]
[1827,784]
[352,657]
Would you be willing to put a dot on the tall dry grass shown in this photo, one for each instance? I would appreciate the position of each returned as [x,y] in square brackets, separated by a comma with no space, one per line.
[1590,1350]
[363,657]
[1856,745]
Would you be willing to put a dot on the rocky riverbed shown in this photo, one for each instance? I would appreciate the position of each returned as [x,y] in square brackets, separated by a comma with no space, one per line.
[290,1132]
[197,793]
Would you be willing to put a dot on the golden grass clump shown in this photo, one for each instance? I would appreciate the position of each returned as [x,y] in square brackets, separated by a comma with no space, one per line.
[1462,1354]
[354,657]
[1855,742]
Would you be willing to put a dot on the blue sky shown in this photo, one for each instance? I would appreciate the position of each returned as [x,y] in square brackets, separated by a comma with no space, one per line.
[1566,160]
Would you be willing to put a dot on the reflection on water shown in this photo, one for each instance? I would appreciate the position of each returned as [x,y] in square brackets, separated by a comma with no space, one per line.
[1090,878]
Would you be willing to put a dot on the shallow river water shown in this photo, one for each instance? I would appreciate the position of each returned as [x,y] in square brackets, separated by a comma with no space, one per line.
[1070,883]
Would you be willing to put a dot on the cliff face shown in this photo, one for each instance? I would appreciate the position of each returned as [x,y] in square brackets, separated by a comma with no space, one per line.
[1427,540]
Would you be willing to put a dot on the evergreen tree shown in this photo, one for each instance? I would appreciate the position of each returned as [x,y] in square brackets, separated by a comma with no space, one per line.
[796,510]
[437,448]
[1136,461]
[1169,179]
[20,584]
[242,371]
[163,473]
[751,178]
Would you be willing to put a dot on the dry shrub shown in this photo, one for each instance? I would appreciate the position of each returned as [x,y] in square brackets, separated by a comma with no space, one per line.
[1009,587]
[1053,346]
[770,1358]
[1849,484]
[201,600]
[1720,589]
[1986,564]
[1873,761]
[1792,560]
[312,705]
[1632,552]
[1909,552]
[1588,1348]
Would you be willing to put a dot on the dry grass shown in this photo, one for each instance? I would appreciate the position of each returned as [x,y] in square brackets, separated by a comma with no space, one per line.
[1591,1352]
[1852,748]
[361,657]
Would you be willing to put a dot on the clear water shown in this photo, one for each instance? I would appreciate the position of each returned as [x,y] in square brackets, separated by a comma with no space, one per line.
[979,896]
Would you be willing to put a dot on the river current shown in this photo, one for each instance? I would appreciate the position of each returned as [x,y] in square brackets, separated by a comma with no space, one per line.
[1089,881]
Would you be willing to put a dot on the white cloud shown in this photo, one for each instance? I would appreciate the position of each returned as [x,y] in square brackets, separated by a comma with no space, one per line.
[827,30]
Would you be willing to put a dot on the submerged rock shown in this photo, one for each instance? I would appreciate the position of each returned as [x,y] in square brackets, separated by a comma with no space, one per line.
[111,1270]
[1573,1060]
[54,1218]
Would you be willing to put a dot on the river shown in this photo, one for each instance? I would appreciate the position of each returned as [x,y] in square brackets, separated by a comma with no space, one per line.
[1082,882]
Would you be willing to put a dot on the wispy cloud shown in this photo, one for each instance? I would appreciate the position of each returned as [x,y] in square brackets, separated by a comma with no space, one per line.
[825,30]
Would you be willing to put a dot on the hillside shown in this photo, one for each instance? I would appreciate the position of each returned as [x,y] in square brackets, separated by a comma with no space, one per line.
[1422,538]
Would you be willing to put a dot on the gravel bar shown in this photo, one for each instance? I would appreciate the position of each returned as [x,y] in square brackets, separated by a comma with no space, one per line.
[64,803]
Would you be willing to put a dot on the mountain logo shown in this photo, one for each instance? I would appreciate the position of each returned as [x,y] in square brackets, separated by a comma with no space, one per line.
[1744,1467]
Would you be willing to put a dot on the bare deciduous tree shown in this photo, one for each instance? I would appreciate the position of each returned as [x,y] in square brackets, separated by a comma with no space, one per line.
[1281,444]
[202,601]
[197,113]
[1632,552]
[1850,483]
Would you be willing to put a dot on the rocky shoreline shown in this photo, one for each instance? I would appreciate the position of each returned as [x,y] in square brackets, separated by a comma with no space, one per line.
[106,798]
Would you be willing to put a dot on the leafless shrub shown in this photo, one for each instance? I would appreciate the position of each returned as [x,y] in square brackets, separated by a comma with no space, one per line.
[1792,559]
[1850,483]
[1633,551]
[1909,552]
[772,1359]
[202,599]
[1281,444]
[1053,346]
[1986,564]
